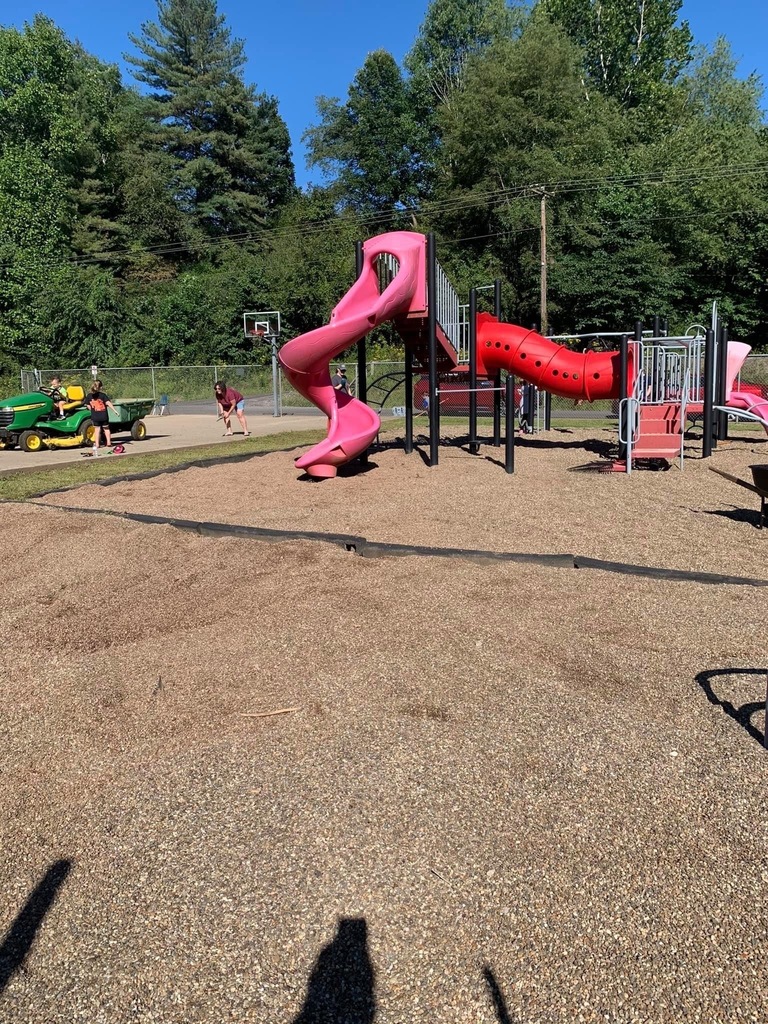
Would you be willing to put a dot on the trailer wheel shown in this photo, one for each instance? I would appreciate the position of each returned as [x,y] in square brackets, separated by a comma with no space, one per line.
[31,441]
[138,430]
[86,430]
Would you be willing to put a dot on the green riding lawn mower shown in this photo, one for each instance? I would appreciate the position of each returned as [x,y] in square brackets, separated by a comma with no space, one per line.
[33,423]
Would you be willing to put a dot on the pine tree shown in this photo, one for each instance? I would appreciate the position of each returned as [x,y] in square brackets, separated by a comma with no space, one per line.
[229,146]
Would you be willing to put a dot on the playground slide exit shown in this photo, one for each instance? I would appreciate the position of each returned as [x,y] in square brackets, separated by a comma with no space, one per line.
[352,425]
[754,404]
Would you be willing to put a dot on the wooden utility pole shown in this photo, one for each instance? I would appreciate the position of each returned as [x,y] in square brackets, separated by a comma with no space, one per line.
[544,326]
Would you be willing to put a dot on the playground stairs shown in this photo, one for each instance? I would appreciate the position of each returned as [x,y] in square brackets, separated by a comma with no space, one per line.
[415,334]
[658,436]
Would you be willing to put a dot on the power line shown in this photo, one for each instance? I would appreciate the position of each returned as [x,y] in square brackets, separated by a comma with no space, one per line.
[429,210]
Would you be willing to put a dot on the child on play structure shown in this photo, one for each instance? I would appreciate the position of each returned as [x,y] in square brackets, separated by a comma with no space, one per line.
[339,379]
[59,395]
[230,401]
[98,403]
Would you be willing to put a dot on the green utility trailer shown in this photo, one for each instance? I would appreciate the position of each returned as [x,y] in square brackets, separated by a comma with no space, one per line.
[129,414]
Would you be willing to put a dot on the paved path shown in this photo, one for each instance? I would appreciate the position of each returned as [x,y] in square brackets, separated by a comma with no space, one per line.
[166,432]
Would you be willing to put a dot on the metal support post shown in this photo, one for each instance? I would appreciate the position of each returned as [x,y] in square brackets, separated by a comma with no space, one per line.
[474,447]
[275,378]
[721,394]
[497,375]
[434,398]
[509,437]
[623,387]
[361,390]
[709,440]
[408,402]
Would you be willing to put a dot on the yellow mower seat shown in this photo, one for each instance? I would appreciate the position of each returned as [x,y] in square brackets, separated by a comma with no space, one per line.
[75,396]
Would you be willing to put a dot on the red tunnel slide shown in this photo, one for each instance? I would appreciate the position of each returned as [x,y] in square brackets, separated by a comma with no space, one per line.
[554,368]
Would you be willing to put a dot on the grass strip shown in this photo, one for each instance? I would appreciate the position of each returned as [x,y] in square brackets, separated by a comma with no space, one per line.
[35,483]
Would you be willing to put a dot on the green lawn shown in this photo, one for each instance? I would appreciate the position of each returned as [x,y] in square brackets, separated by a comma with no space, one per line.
[33,483]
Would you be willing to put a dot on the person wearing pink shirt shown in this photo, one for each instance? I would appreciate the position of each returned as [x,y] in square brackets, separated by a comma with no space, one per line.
[230,401]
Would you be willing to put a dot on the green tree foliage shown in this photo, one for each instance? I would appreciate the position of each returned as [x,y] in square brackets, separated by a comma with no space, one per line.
[229,146]
[631,47]
[54,100]
[452,32]
[537,127]
[371,145]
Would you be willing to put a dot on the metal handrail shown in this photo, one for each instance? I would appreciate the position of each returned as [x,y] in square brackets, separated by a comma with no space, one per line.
[447,307]
[633,421]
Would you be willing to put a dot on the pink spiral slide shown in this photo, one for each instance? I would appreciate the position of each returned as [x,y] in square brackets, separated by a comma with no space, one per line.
[352,425]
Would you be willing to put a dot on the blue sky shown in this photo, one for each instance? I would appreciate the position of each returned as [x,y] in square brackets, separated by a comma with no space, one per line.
[301,49]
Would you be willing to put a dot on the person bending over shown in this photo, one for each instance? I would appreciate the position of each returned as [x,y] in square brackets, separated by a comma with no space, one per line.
[230,401]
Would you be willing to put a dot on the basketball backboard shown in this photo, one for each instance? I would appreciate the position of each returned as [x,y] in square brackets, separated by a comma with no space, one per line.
[262,324]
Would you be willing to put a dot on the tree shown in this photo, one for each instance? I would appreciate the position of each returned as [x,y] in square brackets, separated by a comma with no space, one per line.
[55,103]
[452,32]
[371,143]
[229,146]
[521,119]
[631,47]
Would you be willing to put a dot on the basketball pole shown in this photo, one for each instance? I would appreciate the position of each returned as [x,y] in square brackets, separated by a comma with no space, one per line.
[276,413]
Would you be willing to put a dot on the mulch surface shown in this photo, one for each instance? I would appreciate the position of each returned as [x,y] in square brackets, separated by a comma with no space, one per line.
[510,793]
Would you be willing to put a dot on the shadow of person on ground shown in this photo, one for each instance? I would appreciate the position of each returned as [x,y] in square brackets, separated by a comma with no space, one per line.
[341,987]
[497,996]
[18,940]
[735,514]
[744,713]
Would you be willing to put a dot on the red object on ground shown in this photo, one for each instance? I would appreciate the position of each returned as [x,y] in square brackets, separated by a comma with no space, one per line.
[554,368]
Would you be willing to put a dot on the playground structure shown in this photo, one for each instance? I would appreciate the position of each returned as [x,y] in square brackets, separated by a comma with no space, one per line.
[657,381]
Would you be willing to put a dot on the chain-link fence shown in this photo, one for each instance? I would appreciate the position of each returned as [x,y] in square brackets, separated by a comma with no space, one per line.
[165,385]
[180,385]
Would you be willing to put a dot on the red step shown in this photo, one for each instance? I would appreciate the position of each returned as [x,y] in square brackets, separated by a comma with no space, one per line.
[660,446]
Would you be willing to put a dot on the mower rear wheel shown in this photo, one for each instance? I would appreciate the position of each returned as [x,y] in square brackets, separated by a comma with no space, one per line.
[31,441]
